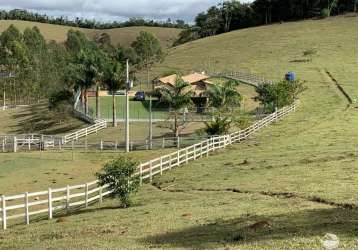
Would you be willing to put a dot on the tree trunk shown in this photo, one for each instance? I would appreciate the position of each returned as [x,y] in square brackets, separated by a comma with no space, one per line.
[114,111]
[147,76]
[176,126]
[98,108]
[86,102]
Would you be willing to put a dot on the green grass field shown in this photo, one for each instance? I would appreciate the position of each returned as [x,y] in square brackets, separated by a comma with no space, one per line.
[123,36]
[297,174]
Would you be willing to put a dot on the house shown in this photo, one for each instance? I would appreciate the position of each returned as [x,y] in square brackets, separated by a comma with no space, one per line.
[199,84]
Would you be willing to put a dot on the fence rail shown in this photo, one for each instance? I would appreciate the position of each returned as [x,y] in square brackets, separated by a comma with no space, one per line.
[62,199]
[99,125]
[248,78]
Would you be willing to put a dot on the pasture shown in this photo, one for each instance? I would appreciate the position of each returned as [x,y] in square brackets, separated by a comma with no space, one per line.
[298,175]
[122,36]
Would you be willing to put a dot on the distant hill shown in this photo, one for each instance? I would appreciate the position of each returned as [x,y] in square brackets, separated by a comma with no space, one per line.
[124,36]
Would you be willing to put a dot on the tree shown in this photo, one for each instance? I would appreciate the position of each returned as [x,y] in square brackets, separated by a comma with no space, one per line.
[224,96]
[120,176]
[113,78]
[14,54]
[279,94]
[178,97]
[89,70]
[149,51]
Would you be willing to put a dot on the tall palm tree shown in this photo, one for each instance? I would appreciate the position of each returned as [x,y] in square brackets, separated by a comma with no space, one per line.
[88,71]
[178,97]
[113,77]
[224,96]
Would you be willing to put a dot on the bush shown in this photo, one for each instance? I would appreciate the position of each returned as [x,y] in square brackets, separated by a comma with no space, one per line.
[219,126]
[278,94]
[325,13]
[119,175]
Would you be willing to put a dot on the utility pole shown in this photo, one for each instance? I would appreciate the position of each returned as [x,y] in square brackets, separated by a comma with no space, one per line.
[127,108]
[150,123]
[4,95]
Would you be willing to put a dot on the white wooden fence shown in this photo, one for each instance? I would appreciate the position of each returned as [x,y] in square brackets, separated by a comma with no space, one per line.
[99,125]
[248,78]
[62,199]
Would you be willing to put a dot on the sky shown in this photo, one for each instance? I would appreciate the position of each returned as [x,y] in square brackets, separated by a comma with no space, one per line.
[110,10]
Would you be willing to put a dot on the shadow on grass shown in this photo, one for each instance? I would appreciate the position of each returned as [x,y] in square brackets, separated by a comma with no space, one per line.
[307,223]
[38,119]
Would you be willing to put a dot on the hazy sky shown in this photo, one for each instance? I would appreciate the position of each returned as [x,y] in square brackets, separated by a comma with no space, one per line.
[115,9]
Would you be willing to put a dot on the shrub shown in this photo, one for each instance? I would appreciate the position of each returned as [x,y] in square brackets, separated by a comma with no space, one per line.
[119,175]
[325,13]
[278,94]
[219,126]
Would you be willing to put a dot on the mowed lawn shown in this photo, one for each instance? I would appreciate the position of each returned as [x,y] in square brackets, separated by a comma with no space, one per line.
[299,175]
[138,109]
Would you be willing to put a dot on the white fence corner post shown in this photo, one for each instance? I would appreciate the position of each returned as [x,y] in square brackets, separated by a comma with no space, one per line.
[3,207]
[49,204]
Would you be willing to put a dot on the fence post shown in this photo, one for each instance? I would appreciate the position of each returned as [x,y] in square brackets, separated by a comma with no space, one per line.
[207,147]
[186,156]
[101,145]
[178,142]
[29,144]
[3,207]
[26,201]
[201,149]
[49,204]
[100,195]
[141,174]
[132,145]
[161,165]
[3,146]
[116,145]
[276,114]
[170,161]
[86,195]
[163,142]
[178,156]
[146,145]
[15,144]
[150,171]
[194,152]
[68,198]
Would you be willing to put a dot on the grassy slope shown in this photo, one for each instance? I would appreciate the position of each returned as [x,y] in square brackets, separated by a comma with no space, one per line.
[311,153]
[124,36]
[36,119]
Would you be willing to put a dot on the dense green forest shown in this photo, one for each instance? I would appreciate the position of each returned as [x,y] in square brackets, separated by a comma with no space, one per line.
[233,15]
[25,15]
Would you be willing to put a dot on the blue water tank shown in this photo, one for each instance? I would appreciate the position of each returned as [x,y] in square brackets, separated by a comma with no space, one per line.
[290,76]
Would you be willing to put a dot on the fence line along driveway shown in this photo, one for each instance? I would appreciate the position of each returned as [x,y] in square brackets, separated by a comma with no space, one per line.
[62,199]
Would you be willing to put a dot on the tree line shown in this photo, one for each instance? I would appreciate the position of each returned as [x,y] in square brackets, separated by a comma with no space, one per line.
[232,15]
[55,71]
[18,14]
